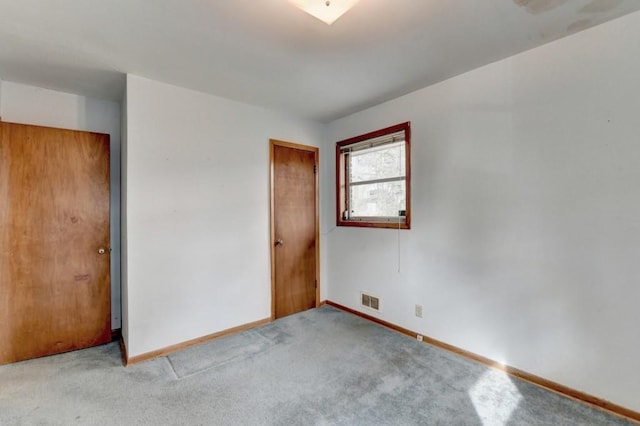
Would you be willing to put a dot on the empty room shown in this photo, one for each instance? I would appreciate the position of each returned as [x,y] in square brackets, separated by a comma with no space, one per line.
[350,212]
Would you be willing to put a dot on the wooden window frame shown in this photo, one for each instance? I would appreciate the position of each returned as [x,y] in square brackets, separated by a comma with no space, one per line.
[341,179]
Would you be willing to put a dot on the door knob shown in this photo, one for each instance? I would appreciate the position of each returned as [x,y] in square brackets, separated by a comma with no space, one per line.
[101,250]
[279,242]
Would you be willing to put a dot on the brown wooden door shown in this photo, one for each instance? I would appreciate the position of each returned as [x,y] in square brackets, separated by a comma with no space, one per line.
[294,228]
[54,224]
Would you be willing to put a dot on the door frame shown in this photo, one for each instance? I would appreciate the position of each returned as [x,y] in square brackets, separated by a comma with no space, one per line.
[272,240]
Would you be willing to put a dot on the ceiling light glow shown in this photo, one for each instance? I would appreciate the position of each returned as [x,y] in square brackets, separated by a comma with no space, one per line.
[327,11]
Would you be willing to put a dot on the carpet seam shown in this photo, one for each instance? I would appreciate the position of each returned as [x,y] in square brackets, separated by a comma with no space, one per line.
[173,369]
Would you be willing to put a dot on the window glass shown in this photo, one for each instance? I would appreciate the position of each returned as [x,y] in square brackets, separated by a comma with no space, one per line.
[383,199]
[377,163]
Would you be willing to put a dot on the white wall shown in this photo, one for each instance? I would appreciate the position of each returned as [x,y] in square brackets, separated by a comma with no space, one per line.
[197,212]
[526,231]
[33,105]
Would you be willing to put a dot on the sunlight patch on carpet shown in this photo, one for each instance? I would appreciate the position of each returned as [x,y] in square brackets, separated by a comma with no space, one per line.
[495,398]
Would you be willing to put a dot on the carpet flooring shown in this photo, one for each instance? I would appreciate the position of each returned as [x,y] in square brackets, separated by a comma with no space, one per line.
[319,367]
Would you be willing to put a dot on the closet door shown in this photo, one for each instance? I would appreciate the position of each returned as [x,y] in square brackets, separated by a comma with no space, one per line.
[294,228]
[54,241]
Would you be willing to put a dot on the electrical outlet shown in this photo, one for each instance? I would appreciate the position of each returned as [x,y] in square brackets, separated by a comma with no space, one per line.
[419,311]
[419,337]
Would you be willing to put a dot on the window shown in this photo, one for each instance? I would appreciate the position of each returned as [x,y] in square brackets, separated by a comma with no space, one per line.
[373,182]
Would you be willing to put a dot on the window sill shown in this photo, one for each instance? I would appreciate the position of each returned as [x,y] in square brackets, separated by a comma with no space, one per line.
[382,225]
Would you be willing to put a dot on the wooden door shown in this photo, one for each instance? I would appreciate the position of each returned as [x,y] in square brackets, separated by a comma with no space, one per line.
[294,228]
[54,241]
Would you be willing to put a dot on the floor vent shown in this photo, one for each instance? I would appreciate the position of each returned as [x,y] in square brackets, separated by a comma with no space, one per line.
[370,301]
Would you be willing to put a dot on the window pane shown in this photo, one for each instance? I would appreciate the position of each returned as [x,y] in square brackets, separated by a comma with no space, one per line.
[382,199]
[377,163]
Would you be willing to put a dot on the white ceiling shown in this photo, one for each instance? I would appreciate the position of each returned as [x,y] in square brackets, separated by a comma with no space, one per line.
[269,53]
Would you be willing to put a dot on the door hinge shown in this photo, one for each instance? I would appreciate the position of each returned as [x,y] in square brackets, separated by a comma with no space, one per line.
[316,283]
[315,169]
